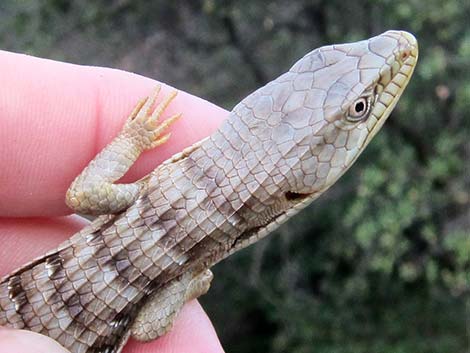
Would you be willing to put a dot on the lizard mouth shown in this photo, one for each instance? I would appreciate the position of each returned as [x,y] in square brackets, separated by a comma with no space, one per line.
[394,78]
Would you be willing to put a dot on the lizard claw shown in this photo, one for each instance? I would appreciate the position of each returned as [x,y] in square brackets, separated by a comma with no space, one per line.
[143,123]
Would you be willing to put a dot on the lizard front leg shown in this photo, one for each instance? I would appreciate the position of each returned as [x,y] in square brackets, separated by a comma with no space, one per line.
[93,191]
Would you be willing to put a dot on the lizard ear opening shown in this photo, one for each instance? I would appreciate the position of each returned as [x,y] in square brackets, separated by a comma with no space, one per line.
[295,196]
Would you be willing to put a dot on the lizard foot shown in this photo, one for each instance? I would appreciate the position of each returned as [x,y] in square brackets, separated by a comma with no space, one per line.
[143,125]
[159,312]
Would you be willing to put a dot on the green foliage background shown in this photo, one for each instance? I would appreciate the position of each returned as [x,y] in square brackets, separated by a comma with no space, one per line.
[380,263]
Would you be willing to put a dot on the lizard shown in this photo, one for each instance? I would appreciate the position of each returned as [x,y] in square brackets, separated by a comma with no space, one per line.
[153,241]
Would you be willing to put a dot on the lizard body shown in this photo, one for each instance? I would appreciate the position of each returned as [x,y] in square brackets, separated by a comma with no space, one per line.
[130,271]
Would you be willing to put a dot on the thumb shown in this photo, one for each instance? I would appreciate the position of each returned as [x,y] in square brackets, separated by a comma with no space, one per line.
[21,341]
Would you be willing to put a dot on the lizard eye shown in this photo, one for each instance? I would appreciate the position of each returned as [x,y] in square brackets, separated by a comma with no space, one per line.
[359,110]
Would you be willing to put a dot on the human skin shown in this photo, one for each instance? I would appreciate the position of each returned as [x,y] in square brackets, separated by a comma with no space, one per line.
[54,118]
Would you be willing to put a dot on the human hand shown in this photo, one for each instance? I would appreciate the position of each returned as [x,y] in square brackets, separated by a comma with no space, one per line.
[54,118]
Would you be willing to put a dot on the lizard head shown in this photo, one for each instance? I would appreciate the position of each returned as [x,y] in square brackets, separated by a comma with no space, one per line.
[342,96]
[292,139]
[289,141]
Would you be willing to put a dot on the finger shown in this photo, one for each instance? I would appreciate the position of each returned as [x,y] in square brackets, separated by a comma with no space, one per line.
[22,240]
[55,117]
[192,333]
[20,341]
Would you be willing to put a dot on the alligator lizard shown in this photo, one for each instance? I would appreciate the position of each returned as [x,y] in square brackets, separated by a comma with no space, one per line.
[129,272]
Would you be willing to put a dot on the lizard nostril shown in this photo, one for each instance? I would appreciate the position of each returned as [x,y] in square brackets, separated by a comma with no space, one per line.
[405,54]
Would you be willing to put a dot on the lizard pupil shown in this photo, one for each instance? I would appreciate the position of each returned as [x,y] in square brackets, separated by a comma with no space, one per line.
[358,111]
[359,107]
